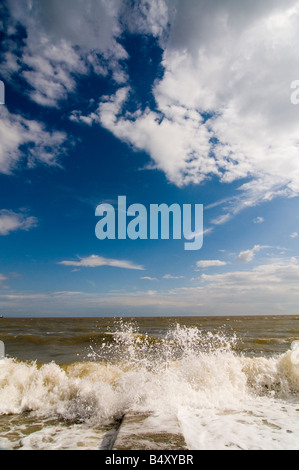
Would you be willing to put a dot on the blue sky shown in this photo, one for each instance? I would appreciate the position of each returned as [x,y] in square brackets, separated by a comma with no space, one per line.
[161,101]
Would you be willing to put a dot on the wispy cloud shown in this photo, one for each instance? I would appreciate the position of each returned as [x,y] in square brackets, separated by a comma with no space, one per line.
[266,288]
[11,222]
[148,278]
[258,220]
[170,276]
[210,263]
[94,261]
[2,279]
[248,255]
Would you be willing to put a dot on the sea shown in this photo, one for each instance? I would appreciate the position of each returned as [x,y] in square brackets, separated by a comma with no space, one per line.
[175,383]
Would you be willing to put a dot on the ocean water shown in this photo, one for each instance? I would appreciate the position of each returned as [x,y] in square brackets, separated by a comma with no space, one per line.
[150,383]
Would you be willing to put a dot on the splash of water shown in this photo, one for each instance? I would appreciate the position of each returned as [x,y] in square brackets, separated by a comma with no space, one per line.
[188,368]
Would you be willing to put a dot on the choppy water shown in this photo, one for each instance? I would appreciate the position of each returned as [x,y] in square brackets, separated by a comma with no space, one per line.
[219,383]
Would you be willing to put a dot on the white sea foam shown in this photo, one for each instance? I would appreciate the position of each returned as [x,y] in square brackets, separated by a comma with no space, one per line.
[221,399]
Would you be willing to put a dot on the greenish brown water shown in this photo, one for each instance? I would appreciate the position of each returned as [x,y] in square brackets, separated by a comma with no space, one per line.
[66,340]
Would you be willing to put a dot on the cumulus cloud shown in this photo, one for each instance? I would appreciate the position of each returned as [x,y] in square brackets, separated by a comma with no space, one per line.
[173,140]
[94,261]
[64,39]
[147,16]
[18,134]
[223,105]
[248,255]
[71,39]
[11,222]
[50,74]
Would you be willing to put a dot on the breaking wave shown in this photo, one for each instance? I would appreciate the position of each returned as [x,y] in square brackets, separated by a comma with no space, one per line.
[186,368]
[219,397]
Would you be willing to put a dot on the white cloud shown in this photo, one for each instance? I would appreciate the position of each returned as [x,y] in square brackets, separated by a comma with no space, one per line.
[94,261]
[148,278]
[248,255]
[222,219]
[20,137]
[210,263]
[223,105]
[259,220]
[51,74]
[69,39]
[147,17]
[173,142]
[294,235]
[265,289]
[64,41]
[237,68]
[11,222]
[3,279]
[151,293]
[170,276]
[283,274]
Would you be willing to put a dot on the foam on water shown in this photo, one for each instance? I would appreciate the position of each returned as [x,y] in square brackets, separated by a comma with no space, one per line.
[220,398]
